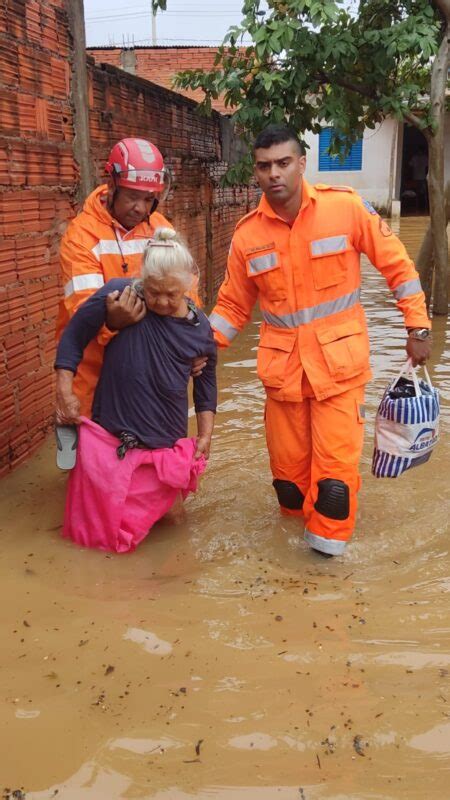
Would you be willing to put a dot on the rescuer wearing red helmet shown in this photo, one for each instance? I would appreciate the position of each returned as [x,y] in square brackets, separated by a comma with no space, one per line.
[106,240]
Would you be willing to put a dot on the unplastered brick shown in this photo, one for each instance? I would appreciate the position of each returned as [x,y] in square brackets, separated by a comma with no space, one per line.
[39,179]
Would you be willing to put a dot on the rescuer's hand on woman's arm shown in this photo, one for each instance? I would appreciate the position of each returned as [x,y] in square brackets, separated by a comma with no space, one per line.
[67,403]
[198,365]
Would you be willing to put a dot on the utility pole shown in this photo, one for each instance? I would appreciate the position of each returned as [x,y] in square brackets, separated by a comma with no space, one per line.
[154,36]
[80,98]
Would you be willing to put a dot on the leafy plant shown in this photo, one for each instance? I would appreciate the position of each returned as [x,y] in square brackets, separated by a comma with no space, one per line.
[317,62]
[312,63]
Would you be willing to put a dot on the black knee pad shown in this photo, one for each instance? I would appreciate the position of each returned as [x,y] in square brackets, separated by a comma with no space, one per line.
[334,499]
[289,495]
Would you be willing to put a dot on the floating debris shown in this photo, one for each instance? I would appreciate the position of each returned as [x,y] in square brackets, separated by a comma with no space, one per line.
[359,745]
[198,746]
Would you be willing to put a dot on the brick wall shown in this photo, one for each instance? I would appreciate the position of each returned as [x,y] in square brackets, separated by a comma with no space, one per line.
[161,64]
[39,183]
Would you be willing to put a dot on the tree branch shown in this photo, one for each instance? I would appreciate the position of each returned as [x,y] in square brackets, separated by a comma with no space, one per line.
[444,8]
[414,120]
[439,76]
[364,91]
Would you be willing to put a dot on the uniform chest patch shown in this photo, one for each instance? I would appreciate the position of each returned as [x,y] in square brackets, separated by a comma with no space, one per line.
[260,248]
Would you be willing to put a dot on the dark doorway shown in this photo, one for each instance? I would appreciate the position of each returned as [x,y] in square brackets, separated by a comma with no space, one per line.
[414,190]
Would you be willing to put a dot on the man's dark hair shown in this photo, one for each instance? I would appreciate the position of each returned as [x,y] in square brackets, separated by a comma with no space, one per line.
[278,134]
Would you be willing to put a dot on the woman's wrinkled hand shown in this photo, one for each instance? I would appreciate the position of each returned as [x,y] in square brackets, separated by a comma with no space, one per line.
[67,409]
[203,447]
[124,309]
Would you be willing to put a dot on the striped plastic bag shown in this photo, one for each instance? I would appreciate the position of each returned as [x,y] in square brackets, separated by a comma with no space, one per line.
[406,425]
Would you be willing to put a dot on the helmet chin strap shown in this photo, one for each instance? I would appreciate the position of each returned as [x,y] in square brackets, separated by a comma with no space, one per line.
[114,194]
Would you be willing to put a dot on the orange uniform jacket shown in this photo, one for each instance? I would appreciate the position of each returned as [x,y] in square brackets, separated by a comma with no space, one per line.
[307,280]
[93,250]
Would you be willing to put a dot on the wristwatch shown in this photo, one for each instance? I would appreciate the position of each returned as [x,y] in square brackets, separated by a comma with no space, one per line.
[419,333]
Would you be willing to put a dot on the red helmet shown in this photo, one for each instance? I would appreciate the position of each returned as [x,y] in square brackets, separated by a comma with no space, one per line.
[137,164]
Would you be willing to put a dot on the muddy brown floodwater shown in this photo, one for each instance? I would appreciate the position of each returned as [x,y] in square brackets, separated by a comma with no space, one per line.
[224,659]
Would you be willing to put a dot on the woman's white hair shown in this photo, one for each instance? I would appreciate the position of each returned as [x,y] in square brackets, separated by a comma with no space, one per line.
[166,255]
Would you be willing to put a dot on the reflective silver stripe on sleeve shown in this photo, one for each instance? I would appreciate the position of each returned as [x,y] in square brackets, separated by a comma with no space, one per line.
[223,326]
[262,263]
[407,288]
[332,244]
[81,282]
[305,315]
[335,547]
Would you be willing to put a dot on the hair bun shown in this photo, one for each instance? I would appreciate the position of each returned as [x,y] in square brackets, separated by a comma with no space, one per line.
[164,234]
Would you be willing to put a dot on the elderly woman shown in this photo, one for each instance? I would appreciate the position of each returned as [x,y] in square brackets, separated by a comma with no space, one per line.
[134,460]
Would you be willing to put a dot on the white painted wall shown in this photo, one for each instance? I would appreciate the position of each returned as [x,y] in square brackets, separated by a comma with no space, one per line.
[379,163]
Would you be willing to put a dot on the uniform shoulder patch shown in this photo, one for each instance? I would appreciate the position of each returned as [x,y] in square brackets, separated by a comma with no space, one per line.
[384,228]
[323,187]
[247,216]
[369,206]
[343,189]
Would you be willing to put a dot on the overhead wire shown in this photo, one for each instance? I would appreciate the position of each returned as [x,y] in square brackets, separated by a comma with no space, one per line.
[135,13]
[172,9]
[93,21]
[148,40]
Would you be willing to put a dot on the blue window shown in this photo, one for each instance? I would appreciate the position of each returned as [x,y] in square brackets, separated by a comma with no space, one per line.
[328,163]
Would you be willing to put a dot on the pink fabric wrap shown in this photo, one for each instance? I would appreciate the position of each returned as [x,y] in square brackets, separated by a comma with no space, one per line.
[112,504]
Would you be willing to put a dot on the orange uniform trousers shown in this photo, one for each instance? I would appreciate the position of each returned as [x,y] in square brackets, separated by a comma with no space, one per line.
[313,441]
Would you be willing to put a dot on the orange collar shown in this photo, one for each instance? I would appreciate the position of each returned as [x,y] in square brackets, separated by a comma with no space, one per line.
[308,193]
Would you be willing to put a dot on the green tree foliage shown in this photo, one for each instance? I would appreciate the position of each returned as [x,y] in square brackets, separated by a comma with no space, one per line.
[348,65]
[315,62]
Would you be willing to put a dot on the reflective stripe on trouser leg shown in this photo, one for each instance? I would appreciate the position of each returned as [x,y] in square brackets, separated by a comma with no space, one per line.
[334,547]
[289,444]
[337,432]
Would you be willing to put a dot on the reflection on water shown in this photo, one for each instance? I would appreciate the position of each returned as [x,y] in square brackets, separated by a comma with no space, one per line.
[150,642]
[224,659]
[145,746]
[434,741]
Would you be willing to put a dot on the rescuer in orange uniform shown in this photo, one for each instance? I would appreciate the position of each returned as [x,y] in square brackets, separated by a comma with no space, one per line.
[298,254]
[106,240]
